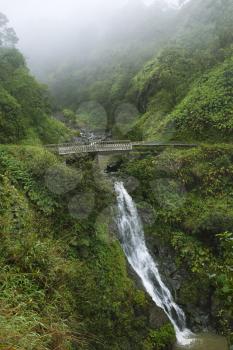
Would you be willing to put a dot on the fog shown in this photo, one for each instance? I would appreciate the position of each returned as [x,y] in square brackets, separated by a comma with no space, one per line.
[53,30]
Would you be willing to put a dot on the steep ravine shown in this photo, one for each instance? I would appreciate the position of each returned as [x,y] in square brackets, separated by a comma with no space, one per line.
[64,276]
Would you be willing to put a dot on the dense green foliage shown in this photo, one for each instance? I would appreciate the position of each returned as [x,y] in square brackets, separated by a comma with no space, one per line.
[206,113]
[185,92]
[25,112]
[64,280]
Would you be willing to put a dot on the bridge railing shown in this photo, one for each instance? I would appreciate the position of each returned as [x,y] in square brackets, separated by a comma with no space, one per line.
[94,148]
[113,142]
[108,146]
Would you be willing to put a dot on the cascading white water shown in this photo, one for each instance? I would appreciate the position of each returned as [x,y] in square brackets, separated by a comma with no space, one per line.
[133,243]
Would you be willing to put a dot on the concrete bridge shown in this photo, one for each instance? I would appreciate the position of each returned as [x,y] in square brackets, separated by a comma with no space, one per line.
[110,146]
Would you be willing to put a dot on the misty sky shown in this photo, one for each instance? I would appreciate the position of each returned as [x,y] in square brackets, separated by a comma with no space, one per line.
[42,25]
[37,19]
[23,13]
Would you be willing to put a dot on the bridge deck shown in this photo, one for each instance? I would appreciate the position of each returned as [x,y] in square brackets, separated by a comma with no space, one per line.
[109,146]
[95,148]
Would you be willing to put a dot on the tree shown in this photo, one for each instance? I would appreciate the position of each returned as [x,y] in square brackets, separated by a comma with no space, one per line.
[8,36]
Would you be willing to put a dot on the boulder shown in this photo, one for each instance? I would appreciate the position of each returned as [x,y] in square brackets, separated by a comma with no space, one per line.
[157,317]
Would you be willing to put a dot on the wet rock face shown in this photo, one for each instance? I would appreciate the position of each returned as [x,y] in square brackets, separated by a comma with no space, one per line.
[155,315]
[187,292]
[199,320]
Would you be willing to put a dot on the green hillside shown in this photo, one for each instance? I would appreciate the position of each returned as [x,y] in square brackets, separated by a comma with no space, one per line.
[185,92]
[25,107]
[65,283]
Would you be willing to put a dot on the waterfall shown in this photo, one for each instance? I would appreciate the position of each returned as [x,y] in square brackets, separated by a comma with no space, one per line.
[133,243]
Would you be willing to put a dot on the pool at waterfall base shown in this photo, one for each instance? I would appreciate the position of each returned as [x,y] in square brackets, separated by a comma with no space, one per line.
[205,341]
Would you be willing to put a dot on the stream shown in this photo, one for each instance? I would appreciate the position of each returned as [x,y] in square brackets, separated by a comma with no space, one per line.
[132,240]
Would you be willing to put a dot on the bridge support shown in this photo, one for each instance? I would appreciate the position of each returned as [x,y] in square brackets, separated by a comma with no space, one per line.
[102,160]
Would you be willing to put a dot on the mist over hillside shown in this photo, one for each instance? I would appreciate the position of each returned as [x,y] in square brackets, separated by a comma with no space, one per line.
[58,32]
